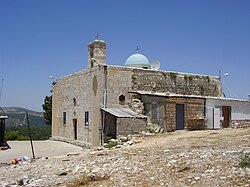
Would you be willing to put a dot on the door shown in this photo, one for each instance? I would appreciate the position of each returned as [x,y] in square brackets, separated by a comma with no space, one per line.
[75,128]
[226,113]
[216,118]
[180,120]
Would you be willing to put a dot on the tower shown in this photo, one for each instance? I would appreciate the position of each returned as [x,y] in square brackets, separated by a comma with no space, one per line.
[96,53]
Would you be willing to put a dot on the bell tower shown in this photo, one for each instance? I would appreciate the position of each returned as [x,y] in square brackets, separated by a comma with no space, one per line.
[96,53]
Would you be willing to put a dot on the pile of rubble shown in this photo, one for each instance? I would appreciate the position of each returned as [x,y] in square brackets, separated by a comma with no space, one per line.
[153,127]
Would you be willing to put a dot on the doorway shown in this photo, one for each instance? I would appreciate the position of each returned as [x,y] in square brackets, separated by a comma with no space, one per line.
[110,127]
[180,120]
[226,113]
[75,128]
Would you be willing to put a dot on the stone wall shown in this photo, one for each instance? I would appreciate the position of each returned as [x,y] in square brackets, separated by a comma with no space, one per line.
[166,111]
[127,126]
[118,83]
[178,83]
[194,112]
[240,123]
[76,94]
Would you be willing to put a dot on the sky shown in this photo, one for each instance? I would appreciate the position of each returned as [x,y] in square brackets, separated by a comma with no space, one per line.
[50,37]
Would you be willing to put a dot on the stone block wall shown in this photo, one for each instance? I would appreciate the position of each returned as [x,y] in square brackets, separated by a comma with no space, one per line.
[170,117]
[194,112]
[127,126]
[166,111]
[76,94]
[118,83]
[240,123]
[178,83]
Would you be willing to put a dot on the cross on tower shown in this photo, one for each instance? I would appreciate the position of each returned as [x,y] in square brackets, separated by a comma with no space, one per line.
[97,35]
[137,49]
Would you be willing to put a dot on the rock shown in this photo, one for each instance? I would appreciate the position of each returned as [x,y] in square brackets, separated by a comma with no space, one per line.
[130,142]
[63,174]
[123,139]
[118,146]
[100,148]
[73,154]
[23,181]
[197,178]
[129,137]
[167,151]
[172,161]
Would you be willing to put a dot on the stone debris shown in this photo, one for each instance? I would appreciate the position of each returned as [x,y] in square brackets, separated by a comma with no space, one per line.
[173,159]
[153,127]
[137,106]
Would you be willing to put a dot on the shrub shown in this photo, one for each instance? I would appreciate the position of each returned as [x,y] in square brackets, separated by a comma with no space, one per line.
[245,161]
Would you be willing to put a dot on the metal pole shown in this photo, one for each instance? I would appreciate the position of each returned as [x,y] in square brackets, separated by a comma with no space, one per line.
[32,148]
[1,90]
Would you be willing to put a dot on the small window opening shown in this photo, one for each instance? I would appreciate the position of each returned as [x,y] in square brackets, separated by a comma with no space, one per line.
[74,100]
[86,118]
[64,117]
[122,99]
[145,67]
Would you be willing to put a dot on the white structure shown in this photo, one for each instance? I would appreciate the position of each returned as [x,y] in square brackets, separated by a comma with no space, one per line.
[227,112]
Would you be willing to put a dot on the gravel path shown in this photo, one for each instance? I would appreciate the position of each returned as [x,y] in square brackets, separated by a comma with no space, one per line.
[185,158]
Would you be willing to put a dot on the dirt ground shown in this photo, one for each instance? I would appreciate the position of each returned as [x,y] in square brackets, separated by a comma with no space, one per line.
[181,158]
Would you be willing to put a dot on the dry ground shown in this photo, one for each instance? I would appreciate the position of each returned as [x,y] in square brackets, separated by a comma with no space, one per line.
[183,158]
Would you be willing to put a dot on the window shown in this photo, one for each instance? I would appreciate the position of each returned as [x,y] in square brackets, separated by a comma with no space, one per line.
[122,99]
[154,107]
[86,118]
[64,117]
[74,100]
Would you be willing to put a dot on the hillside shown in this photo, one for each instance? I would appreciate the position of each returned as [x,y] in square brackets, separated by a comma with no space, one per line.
[183,158]
[16,116]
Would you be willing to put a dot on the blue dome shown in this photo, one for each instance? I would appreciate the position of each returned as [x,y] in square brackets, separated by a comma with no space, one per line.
[137,60]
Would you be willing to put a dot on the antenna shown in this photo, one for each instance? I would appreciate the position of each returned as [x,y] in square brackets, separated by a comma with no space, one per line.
[155,65]
[1,90]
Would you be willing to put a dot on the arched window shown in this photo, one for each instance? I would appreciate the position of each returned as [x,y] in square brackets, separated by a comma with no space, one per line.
[122,99]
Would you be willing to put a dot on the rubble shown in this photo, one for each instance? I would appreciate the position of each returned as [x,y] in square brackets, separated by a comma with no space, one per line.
[153,127]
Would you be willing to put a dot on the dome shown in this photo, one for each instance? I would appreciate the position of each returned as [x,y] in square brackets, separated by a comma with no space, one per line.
[137,60]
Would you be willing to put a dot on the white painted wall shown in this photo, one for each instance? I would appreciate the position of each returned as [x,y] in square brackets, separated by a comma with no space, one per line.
[240,110]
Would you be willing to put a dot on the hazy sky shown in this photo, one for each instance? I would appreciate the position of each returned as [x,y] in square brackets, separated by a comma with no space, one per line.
[50,37]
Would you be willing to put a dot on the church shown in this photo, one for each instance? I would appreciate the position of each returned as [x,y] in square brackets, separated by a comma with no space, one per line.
[104,101]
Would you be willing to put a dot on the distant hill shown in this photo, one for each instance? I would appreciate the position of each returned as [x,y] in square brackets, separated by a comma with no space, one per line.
[16,117]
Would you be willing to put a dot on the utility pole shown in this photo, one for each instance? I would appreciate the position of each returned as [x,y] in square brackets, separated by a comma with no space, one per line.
[31,143]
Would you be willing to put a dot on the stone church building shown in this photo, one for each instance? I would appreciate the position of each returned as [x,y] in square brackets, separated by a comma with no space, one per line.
[104,101]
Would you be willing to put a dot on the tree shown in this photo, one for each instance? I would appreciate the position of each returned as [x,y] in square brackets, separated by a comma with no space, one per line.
[47,108]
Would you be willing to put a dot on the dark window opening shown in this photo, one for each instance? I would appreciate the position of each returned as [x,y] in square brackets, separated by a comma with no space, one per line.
[121,99]
[86,118]
[145,67]
[74,100]
[64,117]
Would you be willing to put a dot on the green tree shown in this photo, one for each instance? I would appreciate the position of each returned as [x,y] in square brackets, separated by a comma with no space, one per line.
[47,109]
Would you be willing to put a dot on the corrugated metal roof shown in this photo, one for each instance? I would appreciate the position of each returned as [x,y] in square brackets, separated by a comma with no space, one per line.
[123,113]
[166,94]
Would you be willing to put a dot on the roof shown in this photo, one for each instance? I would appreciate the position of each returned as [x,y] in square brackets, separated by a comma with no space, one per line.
[3,117]
[123,113]
[166,94]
